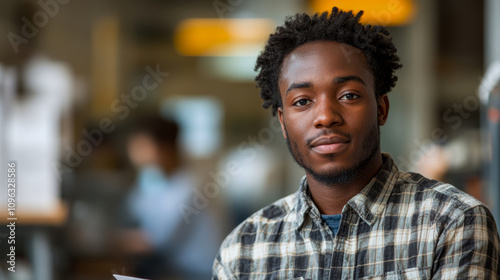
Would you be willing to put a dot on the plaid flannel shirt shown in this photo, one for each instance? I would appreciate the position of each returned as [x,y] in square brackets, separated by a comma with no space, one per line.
[400,226]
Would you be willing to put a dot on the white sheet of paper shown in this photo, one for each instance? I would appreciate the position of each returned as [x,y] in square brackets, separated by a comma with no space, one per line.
[121,277]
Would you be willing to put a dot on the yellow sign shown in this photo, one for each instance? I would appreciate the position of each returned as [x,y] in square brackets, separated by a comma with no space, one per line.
[226,37]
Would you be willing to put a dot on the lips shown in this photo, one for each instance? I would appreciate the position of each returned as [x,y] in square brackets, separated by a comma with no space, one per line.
[329,144]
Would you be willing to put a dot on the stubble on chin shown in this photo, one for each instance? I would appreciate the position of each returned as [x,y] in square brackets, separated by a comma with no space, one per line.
[339,176]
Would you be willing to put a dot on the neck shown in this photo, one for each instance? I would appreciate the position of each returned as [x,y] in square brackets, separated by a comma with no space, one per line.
[330,199]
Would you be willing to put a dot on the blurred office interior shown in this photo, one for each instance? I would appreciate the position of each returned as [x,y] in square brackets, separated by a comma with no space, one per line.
[76,75]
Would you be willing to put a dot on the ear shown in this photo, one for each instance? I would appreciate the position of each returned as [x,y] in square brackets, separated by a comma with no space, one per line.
[282,122]
[382,109]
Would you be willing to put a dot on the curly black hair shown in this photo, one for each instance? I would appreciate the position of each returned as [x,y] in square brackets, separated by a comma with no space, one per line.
[339,26]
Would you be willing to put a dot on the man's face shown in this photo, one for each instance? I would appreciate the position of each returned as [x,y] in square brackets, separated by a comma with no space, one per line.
[330,115]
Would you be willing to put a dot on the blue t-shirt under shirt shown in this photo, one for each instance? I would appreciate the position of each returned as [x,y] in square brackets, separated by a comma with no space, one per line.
[333,222]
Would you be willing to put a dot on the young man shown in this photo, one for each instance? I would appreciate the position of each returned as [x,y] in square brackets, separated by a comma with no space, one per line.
[355,215]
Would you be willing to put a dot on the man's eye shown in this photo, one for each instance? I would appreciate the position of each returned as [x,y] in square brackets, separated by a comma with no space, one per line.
[350,96]
[301,102]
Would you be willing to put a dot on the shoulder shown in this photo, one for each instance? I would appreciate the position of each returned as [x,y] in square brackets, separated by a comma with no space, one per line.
[263,222]
[441,202]
[268,224]
[428,189]
[460,227]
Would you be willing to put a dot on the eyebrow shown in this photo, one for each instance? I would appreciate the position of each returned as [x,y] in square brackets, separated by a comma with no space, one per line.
[344,79]
[337,80]
[298,85]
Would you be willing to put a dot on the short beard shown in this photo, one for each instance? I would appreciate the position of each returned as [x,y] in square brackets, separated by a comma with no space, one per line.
[371,146]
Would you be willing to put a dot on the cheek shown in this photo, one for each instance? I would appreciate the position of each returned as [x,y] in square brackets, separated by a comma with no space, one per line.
[292,128]
[362,119]
[296,126]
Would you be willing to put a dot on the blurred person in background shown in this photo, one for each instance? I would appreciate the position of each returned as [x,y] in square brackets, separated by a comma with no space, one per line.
[355,215]
[169,245]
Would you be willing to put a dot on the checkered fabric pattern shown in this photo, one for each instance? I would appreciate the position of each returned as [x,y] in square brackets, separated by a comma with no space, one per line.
[400,226]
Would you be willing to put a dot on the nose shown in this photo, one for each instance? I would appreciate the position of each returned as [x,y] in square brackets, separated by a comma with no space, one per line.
[327,113]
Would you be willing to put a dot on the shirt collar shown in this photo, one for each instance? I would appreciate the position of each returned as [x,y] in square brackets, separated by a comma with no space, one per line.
[368,204]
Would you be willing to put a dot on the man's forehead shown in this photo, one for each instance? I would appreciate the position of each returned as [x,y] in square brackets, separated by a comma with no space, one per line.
[310,56]
[327,50]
